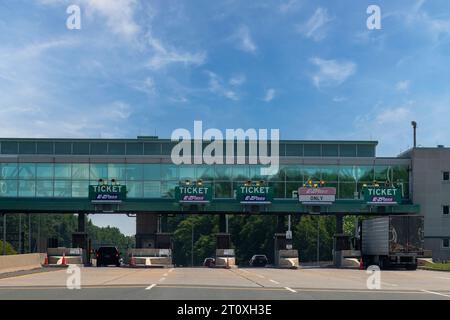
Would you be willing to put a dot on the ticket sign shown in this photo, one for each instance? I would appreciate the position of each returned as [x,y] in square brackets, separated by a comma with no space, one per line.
[317,196]
[193,194]
[254,194]
[107,193]
[381,195]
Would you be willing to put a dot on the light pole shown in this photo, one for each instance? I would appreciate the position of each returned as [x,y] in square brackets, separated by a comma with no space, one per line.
[318,240]
[4,234]
[192,244]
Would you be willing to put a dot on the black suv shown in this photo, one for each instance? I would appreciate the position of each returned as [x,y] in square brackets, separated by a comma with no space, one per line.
[258,260]
[107,256]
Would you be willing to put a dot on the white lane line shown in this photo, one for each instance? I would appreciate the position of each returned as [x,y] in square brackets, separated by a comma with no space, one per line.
[389,284]
[291,290]
[150,287]
[162,279]
[171,270]
[165,274]
[258,275]
[437,293]
[442,278]
[245,271]
[276,282]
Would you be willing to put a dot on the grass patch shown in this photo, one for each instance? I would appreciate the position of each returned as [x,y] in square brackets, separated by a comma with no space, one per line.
[438,266]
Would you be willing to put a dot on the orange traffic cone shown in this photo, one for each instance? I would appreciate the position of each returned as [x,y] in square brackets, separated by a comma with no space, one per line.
[63,260]
[46,260]
[132,261]
[361,264]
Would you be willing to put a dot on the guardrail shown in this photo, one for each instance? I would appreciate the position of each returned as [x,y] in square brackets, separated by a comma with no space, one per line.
[21,262]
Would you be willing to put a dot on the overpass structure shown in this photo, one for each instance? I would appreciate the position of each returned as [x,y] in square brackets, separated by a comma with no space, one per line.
[61,175]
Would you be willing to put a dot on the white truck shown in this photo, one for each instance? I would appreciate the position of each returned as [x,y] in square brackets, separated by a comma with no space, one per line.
[392,241]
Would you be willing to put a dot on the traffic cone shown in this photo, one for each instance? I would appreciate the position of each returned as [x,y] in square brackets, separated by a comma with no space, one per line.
[361,264]
[63,261]
[46,260]
[132,261]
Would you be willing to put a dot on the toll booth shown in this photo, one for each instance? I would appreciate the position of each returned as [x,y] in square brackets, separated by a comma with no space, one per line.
[163,240]
[80,240]
[225,255]
[345,251]
[284,254]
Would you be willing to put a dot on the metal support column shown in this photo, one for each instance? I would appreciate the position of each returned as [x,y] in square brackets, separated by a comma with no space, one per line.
[20,235]
[29,234]
[4,234]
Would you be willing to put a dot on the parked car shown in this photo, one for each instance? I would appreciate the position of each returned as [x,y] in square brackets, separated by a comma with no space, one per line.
[108,256]
[209,262]
[259,260]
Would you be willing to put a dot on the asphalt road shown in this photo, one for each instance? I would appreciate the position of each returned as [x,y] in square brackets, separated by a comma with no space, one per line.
[232,284]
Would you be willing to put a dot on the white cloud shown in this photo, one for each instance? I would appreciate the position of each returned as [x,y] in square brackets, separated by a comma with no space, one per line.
[402,86]
[392,116]
[216,86]
[315,28]
[163,56]
[332,72]
[270,95]
[339,99]
[289,6]
[244,40]
[237,80]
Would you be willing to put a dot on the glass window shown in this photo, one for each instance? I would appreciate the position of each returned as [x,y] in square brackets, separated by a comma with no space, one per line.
[446,243]
[223,190]
[63,170]
[116,148]
[278,189]
[168,189]
[293,173]
[330,150]
[330,173]
[187,173]
[400,173]
[80,189]
[366,150]
[153,172]
[312,150]
[311,173]
[44,170]
[135,171]
[169,172]
[205,172]
[8,171]
[117,171]
[135,148]
[80,171]
[291,187]
[63,189]
[256,173]
[445,210]
[445,175]
[63,148]
[241,172]
[98,171]
[45,147]
[27,188]
[223,172]
[8,188]
[152,189]
[347,190]
[364,173]
[10,147]
[27,170]
[347,150]
[383,173]
[135,189]
[348,173]
[294,150]
[44,188]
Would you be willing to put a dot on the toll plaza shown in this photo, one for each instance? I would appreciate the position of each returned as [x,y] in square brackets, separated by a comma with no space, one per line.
[137,177]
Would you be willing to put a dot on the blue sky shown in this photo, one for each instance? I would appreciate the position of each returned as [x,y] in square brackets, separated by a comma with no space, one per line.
[309,68]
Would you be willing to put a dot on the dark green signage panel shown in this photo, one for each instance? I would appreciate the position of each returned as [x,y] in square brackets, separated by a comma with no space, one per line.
[193,194]
[382,195]
[107,193]
[254,194]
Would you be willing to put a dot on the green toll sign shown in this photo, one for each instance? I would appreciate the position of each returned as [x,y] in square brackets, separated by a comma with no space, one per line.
[107,193]
[381,195]
[193,194]
[254,194]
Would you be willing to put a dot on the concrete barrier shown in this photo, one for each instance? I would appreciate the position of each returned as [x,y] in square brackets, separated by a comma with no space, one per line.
[72,255]
[225,258]
[21,262]
[287,259]
[150,257]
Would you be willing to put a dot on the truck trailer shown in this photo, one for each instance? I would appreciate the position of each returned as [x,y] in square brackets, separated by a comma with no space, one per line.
[392,241]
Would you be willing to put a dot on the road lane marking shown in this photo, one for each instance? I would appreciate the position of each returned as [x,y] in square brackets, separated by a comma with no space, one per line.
[437,293]
[389,284]
[442,278]
[171,270]
[291,290]
[151,287]
[162,279]
[276,282]
[260,276]
[165,274]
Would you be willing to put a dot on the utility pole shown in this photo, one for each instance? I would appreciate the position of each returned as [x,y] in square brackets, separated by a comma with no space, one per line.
[192,245]
[4,234]
[318,240]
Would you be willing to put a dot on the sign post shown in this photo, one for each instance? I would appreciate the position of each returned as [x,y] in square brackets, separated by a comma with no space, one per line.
[193,194]
[317,196]
[254,194]
[381,195]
